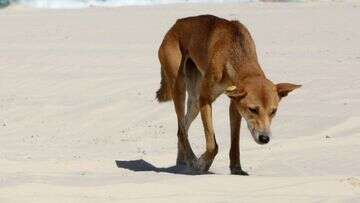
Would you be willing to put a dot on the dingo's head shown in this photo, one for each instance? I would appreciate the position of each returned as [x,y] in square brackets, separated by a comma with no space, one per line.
[257,101]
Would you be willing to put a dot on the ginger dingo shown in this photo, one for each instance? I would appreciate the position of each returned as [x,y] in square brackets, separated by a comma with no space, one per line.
[206,56]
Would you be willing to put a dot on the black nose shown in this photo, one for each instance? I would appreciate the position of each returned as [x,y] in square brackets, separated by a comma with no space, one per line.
[264,139]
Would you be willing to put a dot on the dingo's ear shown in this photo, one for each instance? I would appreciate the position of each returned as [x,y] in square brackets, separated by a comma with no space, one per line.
[283,89]
[235,93]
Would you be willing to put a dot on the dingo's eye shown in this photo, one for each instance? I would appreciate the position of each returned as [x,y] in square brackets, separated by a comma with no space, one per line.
[254,110]
[273,112]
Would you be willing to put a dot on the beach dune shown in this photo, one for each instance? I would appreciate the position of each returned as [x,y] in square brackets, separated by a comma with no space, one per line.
[79,121]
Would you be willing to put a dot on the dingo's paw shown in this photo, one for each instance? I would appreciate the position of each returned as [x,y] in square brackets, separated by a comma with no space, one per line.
[238,171]
[203,164]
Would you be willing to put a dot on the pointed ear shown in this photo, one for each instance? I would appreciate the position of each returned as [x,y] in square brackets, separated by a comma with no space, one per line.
[235,93]
[283,89]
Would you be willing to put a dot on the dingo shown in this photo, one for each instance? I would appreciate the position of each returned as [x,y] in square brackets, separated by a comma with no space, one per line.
[206,56]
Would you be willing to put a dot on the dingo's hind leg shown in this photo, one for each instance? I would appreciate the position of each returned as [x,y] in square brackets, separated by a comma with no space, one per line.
[192,78]
[179,96]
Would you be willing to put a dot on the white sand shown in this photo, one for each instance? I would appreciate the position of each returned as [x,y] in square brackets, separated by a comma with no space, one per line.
[77,93]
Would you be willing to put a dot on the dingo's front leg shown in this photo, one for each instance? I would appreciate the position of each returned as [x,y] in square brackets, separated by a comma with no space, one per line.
[235,123]
[206,99]
[207,158]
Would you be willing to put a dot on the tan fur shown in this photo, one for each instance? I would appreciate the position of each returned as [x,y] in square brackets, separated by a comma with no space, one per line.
[204,56]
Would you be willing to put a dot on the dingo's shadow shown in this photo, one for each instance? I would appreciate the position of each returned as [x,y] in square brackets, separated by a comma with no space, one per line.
[141,166]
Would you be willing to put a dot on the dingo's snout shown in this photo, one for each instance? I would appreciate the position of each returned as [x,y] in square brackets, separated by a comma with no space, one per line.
[264,139]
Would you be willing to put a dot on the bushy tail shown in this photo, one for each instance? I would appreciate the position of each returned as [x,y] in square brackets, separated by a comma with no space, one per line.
[164,93]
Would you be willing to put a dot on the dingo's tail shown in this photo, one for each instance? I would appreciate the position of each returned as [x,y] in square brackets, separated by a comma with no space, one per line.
[164,93]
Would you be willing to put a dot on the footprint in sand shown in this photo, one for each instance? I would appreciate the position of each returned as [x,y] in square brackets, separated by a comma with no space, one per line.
[355,182]
[348,127]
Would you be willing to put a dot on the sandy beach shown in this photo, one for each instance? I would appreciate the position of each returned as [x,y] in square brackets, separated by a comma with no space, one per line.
[79,121]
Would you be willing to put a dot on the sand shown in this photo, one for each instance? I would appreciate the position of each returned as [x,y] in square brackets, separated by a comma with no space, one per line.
[79,122]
